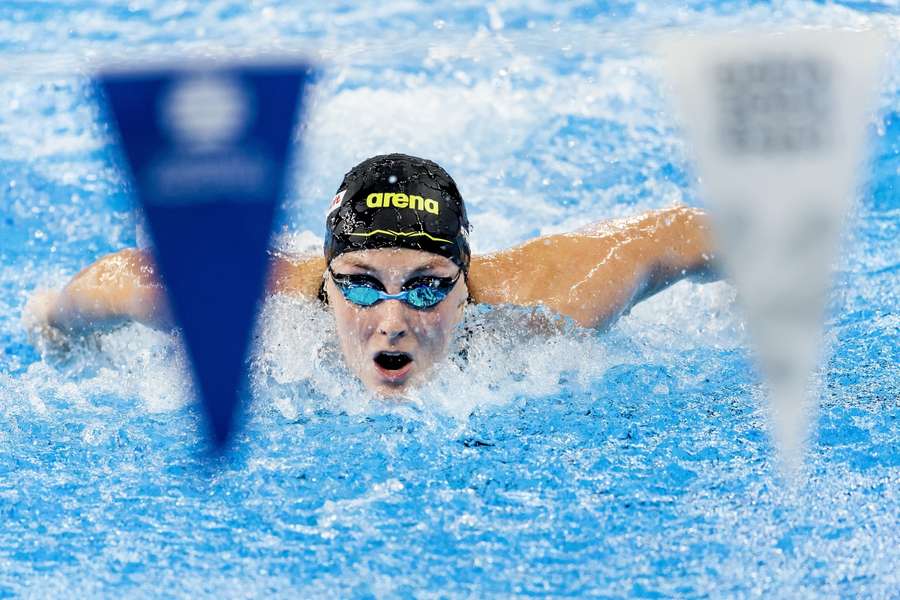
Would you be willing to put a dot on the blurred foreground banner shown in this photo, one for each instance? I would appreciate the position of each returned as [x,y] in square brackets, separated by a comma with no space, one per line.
[208,147]
[777,123]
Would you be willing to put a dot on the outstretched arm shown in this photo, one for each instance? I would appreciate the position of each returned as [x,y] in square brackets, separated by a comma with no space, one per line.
[595,274]
[124,286]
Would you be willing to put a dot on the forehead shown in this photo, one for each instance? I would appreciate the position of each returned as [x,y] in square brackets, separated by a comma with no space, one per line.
[401,259]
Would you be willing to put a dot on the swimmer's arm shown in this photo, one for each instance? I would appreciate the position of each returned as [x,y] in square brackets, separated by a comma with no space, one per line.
[118,288]
[124,286]
[595,274]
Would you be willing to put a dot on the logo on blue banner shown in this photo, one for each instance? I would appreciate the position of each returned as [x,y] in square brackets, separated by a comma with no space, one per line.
[208,149]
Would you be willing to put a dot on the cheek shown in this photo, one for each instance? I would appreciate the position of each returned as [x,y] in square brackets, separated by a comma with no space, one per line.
[437,327]
[350,322]
[350,328]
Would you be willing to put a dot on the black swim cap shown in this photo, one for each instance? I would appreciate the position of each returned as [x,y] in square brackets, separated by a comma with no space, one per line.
[398,201]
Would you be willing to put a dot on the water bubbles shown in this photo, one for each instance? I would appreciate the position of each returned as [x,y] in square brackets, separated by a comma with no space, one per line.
[495,20]
[462,77]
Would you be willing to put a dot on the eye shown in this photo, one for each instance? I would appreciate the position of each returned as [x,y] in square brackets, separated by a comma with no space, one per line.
[429,281]
[359,280]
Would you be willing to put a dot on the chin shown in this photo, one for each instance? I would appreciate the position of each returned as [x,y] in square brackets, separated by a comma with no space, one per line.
[397,394]
[390,389]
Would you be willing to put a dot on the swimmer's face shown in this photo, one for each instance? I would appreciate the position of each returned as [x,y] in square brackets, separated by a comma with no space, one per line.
[390,345]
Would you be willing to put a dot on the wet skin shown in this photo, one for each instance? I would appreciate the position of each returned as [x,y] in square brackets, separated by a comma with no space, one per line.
[391,326]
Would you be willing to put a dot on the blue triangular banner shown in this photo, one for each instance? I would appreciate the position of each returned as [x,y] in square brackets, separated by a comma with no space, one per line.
[208,149]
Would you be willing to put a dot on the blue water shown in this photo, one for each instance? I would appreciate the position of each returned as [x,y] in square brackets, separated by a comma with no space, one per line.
[633,463]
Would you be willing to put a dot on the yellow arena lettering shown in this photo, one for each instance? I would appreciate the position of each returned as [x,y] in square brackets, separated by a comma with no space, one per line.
[374,200]
[401,200]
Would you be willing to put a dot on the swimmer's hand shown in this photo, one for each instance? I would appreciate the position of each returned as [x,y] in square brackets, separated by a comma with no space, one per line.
[36,322]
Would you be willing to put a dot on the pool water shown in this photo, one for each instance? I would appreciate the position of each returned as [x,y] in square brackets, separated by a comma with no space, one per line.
[630,463]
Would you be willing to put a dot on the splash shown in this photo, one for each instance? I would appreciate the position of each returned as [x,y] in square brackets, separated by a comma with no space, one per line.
[498,354]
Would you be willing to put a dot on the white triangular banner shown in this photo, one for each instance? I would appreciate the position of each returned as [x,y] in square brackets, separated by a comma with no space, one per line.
[777,122]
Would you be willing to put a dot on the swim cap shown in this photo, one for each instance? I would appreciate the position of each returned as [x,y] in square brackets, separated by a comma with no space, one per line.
[398,201]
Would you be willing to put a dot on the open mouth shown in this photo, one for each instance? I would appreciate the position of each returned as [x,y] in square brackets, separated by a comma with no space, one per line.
[393,365]
[392,361]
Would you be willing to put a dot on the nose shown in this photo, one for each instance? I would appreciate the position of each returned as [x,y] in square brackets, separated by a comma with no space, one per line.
[392,319]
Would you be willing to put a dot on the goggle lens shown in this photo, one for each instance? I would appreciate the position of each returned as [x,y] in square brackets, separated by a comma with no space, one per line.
[361,295]
[420,296]
[423,296]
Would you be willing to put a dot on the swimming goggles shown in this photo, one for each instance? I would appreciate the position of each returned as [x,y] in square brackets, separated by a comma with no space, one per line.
[420,293]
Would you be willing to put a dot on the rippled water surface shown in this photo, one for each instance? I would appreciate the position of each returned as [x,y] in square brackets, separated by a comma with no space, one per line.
[630,463]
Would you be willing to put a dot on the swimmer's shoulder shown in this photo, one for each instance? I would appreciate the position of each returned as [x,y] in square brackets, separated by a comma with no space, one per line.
[295,275]
[507,276]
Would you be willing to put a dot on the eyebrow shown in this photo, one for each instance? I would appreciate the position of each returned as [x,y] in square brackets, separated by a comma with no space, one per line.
[424,268]
[360,265]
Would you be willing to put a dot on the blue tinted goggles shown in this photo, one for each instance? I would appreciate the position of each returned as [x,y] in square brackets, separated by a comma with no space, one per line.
[420,293]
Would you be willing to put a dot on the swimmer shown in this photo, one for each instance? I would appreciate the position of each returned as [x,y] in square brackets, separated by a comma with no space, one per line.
[397,272]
